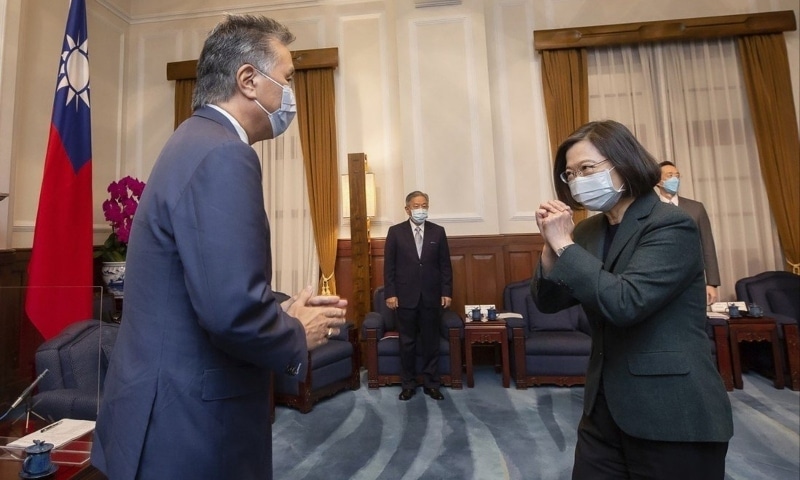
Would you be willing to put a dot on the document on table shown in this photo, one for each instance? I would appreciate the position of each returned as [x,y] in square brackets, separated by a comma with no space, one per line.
[59,433]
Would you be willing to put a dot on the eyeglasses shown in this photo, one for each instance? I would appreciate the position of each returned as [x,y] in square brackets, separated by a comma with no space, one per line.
[585,169]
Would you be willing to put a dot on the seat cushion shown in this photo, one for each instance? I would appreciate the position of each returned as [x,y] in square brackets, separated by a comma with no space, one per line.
[389,345]
[558,344]
[331,352]
[556,365]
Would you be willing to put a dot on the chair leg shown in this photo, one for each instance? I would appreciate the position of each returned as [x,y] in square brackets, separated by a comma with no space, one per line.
[372,359]
[520,371]
[455,359]
[305,404]
[790,336]
[355,378]
[723,356]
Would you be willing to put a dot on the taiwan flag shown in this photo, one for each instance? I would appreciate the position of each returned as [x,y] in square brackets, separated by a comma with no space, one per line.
[60,269]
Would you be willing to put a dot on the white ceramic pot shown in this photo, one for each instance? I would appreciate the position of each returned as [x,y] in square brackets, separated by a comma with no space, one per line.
[114,277]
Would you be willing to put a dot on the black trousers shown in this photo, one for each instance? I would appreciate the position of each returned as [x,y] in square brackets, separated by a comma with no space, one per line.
[604,451]
[419,325]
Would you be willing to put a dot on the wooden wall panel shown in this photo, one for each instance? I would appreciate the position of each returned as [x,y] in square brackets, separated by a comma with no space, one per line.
[460,265]
[482,266]
[16,355]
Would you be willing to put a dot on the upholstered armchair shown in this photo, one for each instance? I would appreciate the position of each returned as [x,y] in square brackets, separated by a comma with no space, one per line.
[379,331]
[332,367]
[778,295]
[77,360]
[545,348]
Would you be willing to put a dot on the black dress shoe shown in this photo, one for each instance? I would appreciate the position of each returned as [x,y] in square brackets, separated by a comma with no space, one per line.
[406,394]
[434,393]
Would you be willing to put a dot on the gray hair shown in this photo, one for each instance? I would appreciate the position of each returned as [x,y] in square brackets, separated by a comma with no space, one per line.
[236,41]
[416,193]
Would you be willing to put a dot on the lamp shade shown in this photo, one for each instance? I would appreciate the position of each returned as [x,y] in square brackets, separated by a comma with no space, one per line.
[369,186]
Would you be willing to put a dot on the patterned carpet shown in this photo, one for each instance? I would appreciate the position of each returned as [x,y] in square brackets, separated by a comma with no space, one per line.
[489,432]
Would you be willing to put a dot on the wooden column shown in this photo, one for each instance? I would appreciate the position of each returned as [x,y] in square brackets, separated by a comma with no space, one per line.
[359,237]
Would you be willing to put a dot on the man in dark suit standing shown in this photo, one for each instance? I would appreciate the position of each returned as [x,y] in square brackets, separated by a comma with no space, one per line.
[668,191]
[187,389]
[418,284]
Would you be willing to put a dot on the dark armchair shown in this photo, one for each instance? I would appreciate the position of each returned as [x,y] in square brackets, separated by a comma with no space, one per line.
[77,360]
[545,348]
[778,294]
[332,367]
[383,346]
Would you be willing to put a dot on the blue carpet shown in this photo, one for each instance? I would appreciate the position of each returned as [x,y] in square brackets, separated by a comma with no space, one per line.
[490,432]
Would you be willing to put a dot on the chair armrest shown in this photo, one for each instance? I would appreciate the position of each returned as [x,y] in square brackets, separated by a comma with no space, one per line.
[451,320]
[512,323]
[344,332]
[373,321]
[716,321]
[781,319]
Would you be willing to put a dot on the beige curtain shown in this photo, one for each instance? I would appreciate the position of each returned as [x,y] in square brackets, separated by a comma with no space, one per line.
[183,99]
[769,91]
[566,96]
[315,93]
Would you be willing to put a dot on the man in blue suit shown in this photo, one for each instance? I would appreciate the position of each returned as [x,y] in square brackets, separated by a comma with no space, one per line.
[187,389]
[418,283]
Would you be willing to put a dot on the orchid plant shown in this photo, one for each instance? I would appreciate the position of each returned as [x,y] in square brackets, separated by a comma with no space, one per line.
[119,209]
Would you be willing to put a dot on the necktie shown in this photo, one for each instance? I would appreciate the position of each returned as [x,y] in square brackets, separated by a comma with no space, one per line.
[418,239]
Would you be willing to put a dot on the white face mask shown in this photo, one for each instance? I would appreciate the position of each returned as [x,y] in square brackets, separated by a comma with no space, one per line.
[281,118]
[596,192]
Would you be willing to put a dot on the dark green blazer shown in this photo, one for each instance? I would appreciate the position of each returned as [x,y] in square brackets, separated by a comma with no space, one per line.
[646,304]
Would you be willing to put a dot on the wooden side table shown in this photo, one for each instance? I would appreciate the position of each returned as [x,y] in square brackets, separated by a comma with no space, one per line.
[722,343]
[755,330]
[491,332]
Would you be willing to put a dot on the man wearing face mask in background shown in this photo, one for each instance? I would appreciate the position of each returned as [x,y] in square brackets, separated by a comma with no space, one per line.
[187,389]
[418,284]
[667,189]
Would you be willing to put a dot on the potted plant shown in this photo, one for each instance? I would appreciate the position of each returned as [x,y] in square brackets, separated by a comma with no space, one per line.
[119,210]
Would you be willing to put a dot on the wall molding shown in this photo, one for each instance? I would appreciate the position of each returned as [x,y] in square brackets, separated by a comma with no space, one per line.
[195,13]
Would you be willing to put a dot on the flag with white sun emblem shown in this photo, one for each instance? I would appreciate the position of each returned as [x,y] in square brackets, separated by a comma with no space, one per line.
[60,269]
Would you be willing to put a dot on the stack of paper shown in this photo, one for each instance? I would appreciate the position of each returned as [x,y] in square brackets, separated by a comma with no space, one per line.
[59,433]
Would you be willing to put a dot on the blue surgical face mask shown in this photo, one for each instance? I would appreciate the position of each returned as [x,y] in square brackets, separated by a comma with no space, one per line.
[419,215]
[671,185]
[283,116]
[596,192]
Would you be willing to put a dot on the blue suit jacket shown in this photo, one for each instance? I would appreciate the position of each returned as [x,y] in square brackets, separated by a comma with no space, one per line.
[186,394]
[646,303]
[413,279]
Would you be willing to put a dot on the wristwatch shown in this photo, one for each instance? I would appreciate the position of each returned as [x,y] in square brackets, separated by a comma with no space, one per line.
[563,249]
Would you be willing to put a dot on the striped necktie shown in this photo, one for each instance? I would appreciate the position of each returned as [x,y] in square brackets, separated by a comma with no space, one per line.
[418,240]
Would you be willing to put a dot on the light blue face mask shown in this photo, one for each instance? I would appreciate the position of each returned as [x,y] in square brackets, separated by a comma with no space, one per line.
[671,185]
[419,215]
[283,116]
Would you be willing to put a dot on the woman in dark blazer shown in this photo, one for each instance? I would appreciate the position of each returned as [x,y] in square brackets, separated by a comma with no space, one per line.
[654,404]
